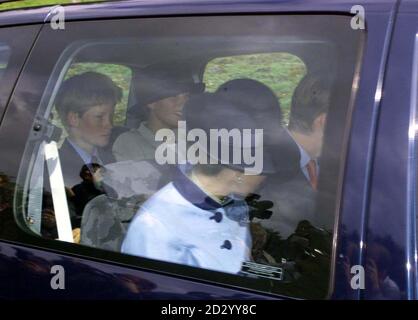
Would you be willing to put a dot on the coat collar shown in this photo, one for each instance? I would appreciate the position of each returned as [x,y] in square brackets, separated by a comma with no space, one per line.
[192,193]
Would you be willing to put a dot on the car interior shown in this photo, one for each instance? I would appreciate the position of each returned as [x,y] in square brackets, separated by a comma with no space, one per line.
[187,59]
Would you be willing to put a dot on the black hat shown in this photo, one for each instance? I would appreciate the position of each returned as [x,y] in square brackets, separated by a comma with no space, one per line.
[265,108]
[162,81]
[254,93]
[261,101]
[211,111]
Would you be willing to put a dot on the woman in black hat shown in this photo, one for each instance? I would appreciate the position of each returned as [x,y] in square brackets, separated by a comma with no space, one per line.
[161,94]
[201,219]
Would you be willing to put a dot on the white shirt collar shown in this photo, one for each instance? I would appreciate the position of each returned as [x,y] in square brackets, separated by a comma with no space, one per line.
[85,156]
[304,156]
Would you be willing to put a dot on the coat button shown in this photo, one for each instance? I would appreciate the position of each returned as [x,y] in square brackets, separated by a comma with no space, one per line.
[227,245]
[217,217]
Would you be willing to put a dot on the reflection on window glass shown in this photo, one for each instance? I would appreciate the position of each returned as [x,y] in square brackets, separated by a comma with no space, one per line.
[4,58]
[280,71]
[121,75]
[221,155]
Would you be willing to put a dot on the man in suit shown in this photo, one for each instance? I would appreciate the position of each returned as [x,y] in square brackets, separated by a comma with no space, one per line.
[307,123]
[86,104]
[295,199]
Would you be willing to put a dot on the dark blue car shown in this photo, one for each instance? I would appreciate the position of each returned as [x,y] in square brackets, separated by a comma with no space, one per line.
[209,150]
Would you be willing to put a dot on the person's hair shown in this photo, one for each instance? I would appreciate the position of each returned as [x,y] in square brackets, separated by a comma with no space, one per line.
[83,91]
[310,100]
[87,170]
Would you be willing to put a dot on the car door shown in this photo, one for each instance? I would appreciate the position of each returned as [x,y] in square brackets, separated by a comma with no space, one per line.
[282,46]
[15,45]
[391,225]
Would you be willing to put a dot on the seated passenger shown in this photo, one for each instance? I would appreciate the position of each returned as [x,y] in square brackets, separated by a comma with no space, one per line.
[265,107]
[86,104]
[284,151]
[201,219]
[161,103]
[296,198]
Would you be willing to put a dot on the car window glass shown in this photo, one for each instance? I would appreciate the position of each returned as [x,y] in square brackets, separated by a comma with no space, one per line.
[15,43]
[280,71]
[213,144]
[118,73]
[4,57]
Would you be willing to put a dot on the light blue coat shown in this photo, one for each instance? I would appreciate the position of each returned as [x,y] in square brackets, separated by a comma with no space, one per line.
[180,224]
